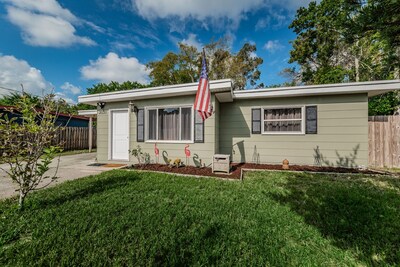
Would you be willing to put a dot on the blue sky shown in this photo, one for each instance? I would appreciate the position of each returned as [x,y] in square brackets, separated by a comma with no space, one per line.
[69,45]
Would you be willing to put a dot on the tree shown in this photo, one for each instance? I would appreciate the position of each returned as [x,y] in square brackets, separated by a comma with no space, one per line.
[349,41]
[27,146]
[185,66]
[345,40]
[386,104]
[244,67]
[176,68]
[15,98]
[114,86]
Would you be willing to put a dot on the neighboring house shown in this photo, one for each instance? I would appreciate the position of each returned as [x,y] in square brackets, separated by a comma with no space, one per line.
[62,119]
[308,125]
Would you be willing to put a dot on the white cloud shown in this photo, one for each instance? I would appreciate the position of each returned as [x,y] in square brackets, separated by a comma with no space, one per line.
[192,41]
[201,10]
[49,7]
[46,23]
[115,68]
[60,95]
[262,23]
[273,46]
[70,88]
[118,46]
[196,9]
[253,55]
[14,72]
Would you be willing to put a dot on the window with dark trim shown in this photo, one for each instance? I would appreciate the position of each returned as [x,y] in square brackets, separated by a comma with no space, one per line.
[283,120]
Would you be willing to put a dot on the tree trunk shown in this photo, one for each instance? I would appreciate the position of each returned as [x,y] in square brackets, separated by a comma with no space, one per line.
[21,200]
[397,68]
[357,64]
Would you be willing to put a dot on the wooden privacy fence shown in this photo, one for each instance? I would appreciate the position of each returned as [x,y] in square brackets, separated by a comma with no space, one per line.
[75,138]
[384,141]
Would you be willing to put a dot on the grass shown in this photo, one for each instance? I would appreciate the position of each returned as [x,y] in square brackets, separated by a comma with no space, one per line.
[271,219]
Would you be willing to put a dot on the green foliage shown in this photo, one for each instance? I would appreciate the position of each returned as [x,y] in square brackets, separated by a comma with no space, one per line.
[81,106]
[381,16]
[14,98]
[386,104]
[271,219]
[176,68]
[27,143]
[142,157]
[185,66]
[36,102]
[114,87]
[341,41]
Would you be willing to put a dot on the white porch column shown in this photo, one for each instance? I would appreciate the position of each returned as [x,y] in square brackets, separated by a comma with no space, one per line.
[90,133]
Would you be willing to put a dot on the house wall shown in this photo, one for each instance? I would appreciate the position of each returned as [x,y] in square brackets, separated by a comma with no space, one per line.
[204,151]
[342,138]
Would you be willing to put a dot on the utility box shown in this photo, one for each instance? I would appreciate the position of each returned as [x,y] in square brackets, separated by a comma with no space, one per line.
[220,163]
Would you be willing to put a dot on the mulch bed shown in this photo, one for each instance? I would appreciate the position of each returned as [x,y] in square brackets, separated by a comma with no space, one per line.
[236,169]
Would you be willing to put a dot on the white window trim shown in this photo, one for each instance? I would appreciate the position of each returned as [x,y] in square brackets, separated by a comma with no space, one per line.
[146,130]
[303,123]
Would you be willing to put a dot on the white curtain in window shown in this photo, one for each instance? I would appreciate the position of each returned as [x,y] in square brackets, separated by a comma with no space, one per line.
[152,124]
[168,124]
[186,119]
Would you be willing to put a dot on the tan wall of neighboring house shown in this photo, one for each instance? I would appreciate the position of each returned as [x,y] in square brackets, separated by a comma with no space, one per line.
[342,137]
[204,151]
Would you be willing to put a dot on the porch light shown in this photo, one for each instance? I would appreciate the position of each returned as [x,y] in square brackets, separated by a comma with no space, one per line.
[133,108]
[101,105]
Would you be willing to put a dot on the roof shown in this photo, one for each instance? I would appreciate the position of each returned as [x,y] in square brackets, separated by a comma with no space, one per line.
[373,88]
[217,86]
[78,117]
[224,93]
[88,112]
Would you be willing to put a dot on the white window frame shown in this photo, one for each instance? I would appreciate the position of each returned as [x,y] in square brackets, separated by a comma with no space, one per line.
[303,123]
[146,130]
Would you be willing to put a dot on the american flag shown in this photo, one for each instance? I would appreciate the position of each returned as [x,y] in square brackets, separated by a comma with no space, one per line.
[203,97]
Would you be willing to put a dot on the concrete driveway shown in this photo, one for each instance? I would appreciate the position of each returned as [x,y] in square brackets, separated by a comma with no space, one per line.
[71,167]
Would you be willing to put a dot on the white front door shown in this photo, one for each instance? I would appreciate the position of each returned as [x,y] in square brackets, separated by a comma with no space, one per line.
[119,135]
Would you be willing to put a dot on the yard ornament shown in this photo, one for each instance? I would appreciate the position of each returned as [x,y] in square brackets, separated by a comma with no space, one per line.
[156,152]
[187,153]
[285,164]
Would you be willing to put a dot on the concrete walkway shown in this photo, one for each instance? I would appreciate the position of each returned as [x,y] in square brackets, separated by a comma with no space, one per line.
[71,167]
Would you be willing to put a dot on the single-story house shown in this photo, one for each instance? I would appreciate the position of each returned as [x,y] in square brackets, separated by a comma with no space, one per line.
[308,125]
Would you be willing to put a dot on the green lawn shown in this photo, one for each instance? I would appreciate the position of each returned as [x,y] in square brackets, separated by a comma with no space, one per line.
[271,219]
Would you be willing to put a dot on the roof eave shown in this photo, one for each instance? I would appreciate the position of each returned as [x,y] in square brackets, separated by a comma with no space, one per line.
[88,113]
[371,88]
[155,92]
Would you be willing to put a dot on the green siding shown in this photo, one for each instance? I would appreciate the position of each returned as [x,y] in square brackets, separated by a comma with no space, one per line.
[204,151]
[342,131]
[103,130]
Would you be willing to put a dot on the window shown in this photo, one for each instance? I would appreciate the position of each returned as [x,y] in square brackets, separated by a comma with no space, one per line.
[170,124]
[283,120]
